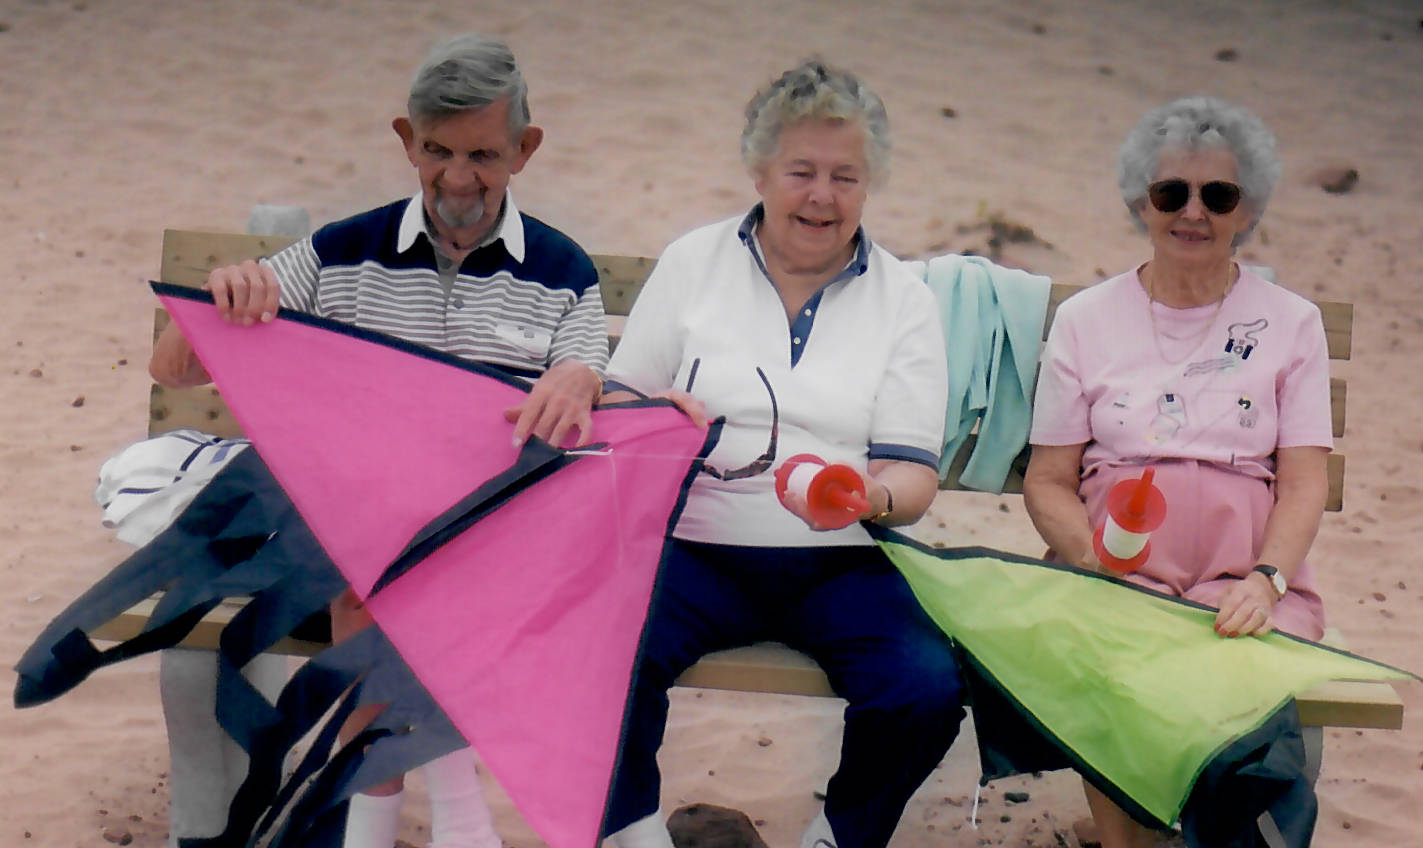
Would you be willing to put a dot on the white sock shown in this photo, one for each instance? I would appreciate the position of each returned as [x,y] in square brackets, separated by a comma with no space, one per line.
[818,835]
[373,820]
[648,832]
[459,817]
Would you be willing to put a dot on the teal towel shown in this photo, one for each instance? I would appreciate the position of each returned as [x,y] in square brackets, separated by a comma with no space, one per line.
[993,322]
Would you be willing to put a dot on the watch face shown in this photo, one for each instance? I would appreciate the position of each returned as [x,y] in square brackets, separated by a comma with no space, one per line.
[1277,580]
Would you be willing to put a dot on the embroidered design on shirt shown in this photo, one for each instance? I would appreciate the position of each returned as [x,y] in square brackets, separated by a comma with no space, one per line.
[1123,402]
[1239,342]
[1170,417]
[1249,412]
[1211,366]
[1242,338]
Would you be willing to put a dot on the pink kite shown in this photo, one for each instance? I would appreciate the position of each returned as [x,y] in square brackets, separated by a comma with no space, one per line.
[524,624]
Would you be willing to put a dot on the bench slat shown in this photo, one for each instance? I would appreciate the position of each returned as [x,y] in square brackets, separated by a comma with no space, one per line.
[205,634]
[188,256]
[773,668]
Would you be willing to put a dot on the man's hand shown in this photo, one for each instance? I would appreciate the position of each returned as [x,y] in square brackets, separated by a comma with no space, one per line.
[245,293]
[560,401]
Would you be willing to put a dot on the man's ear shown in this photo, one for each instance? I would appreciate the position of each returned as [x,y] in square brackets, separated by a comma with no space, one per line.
[529,141]
[406,131]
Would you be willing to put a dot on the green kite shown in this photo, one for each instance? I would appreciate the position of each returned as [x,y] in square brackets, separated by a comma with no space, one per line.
[1131,688]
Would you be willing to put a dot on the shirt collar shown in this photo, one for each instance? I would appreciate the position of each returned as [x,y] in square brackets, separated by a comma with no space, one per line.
[510,226]
[859,263]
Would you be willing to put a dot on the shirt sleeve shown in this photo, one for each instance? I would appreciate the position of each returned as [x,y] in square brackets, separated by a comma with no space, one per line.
[298,273]
[1061,413]
[1302,391]
[649,352]
[908,422]
[582,332]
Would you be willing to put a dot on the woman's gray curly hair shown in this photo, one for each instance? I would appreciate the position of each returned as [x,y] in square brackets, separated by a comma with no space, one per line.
[1200,123]
[814,90]
[467,72]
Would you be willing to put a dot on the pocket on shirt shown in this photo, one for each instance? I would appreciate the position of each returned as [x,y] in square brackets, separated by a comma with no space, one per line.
[533,341]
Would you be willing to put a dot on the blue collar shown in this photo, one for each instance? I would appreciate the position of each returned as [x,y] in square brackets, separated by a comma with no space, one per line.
[857,266]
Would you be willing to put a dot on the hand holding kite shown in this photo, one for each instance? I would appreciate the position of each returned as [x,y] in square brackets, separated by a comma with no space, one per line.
[245,293]
[560,401]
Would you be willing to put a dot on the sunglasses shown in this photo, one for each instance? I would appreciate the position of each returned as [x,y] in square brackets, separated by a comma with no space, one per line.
[762,463]
[1218,196]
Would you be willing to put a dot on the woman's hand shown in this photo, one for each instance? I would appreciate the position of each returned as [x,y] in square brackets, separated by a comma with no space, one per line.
[876,494]
[1089,562]
[1056,509]
[685,401]
[1246,609]
[898,492]
[1301,486]
[800,509]
[688,403]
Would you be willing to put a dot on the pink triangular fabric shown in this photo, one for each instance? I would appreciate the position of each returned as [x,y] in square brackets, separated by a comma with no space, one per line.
[525,627]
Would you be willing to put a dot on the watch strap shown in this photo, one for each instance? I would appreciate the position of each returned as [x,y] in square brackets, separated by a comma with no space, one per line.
[888,505]
[1277,580]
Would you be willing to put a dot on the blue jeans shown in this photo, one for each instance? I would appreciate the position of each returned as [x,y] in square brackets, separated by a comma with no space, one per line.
[849,609]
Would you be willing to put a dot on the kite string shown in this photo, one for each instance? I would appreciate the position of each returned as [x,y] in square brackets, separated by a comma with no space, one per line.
[973,814]
[608,452]
[619,541]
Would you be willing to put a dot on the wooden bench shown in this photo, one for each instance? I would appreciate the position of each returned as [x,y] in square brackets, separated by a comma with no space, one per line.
[189,256]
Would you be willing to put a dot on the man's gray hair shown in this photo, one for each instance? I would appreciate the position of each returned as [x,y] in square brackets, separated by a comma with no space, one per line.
[1200,123]
[467,72]
[814,90]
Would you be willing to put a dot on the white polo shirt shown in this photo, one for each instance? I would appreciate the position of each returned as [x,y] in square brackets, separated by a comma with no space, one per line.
[859,375]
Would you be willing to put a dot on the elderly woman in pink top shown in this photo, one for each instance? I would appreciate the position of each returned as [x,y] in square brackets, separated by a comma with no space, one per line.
[1208,373]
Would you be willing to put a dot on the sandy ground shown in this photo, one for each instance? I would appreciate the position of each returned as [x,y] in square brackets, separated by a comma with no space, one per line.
[123,118]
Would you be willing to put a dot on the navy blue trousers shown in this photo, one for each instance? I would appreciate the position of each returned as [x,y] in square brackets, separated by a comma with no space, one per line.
[849,609]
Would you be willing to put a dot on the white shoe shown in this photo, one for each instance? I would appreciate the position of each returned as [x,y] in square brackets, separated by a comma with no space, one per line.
[373,820]
[648,832]
[459,817]
[818,834]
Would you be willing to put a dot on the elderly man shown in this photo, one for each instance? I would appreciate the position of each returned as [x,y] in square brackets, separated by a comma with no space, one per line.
[458,268]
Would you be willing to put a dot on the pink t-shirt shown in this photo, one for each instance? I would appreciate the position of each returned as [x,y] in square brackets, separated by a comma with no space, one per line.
[1136,380]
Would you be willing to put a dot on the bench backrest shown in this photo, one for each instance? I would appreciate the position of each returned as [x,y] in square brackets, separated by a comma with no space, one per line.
[188,256]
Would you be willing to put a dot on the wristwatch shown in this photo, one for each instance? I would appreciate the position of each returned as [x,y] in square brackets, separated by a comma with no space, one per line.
[1277,580]
[888,505]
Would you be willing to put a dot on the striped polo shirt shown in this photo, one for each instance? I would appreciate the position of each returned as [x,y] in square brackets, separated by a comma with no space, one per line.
[523,301]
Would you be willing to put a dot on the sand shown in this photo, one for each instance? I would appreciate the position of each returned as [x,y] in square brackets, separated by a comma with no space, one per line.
[123,118]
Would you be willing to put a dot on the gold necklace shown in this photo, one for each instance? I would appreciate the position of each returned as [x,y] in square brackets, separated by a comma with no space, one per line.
[1210,325]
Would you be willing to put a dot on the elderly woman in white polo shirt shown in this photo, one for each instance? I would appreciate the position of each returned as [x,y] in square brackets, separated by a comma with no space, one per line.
[805,337]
